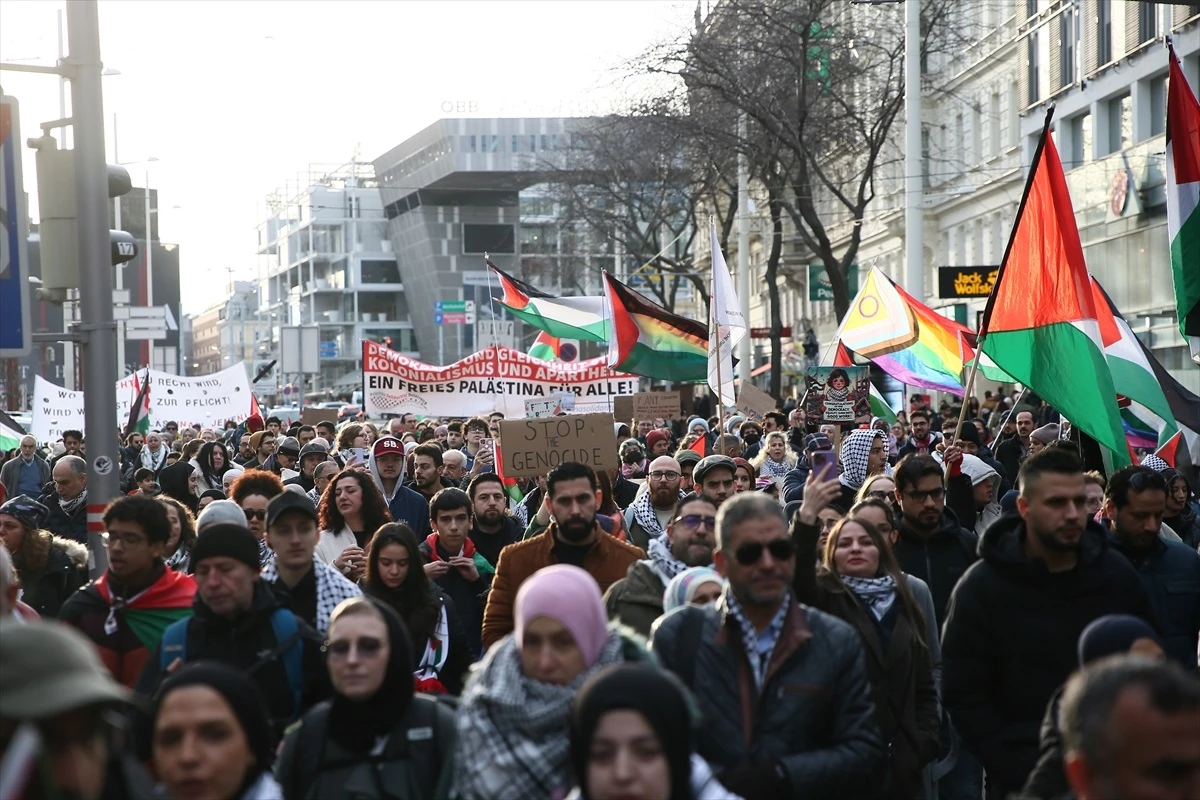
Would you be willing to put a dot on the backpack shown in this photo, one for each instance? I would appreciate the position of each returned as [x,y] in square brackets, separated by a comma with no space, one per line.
[288,645]
[429,725]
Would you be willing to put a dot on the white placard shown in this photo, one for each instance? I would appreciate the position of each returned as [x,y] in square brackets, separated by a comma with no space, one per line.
[55,410]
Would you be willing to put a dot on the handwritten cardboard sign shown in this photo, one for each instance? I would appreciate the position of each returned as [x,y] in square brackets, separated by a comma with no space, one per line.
[656,405]
[754,403]
[536,446]
[623,408]
[312,416]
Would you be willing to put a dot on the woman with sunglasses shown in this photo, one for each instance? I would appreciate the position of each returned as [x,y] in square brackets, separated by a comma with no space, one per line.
[860,581]
[514,715]
[210,736]
[252,491]
[394,576]
[374,739]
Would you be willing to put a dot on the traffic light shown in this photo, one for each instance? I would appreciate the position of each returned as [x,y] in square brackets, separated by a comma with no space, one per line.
[56,202]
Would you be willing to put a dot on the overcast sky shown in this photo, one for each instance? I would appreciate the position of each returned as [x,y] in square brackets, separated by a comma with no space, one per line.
[234,98]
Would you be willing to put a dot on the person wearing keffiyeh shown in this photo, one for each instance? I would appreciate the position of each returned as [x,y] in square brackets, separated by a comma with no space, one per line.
[648,516]
[125,611]
[863,454]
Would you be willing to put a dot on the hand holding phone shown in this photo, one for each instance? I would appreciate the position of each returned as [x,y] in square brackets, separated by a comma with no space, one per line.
[824,464]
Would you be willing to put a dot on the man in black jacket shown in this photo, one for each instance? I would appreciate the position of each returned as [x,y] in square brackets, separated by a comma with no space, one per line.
[1011,452]
[1014,619]
[234,624]
[453,563]
[493,528]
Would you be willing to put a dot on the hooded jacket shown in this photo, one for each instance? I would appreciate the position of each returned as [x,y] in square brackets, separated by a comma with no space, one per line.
[403,503]
[1010,639]
[48,584]
[979,471]
[855,455]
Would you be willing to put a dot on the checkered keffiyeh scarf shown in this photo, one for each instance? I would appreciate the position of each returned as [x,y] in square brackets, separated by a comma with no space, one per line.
[878,593]
[643,512]
[758,647]
[856,449]
[662,561]
[515,729]
[775,469]
[332,588]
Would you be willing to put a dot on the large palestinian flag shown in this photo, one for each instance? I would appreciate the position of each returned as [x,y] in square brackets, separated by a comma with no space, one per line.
[561,317]
[1040,325]
[646,339]
[1183,195]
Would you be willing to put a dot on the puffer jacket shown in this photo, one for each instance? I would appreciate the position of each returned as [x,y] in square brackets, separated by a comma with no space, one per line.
[637,599]
[1170,571]
[45,587]
[1010,640]
[815,714]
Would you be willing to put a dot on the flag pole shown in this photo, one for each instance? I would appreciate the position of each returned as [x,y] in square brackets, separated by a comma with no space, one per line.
[991,301]
[714,337]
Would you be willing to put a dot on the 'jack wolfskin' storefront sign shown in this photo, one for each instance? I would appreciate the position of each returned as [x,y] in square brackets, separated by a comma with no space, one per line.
[966,281]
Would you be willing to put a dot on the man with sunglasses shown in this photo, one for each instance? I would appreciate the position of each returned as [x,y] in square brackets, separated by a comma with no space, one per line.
[637,599]
[1134,503]
[794,675]
[125,610]
[1009,640]
[240,621]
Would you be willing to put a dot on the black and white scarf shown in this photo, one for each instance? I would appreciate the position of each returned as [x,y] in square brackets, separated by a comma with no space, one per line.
[154,462]
[878,593]
[180,559]
[665,565]
[69,507]
[514,729]
[646,516]
[775,469]
[332,588]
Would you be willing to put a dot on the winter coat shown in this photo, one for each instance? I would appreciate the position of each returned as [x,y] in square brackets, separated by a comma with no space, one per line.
[899,665]
[1170,571]
[978,471]
[815,714]
[50,582]
[607,561]
[11,471]
[1187,525]
[489,545]
[637,599]
[468,596]
[793,482]
[58,522]
[939,560]
[1010,639]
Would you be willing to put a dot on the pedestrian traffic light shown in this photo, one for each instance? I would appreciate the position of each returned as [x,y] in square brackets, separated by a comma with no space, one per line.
[56,204]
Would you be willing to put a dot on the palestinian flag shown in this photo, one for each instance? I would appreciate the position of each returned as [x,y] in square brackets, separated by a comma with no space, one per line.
[10,439]
[1183,195]
[561,317]
[139,412]
[646,339]
[149,613]
[551,348]
[1172,450]
[512,487]
[1040,325]
[1131,372]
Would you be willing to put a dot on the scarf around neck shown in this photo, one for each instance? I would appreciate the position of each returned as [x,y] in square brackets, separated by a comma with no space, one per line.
[516,728]
[150,461]
[774,469]
[665,565]
[646,516]
[878,593]
[69,507]
[332,588]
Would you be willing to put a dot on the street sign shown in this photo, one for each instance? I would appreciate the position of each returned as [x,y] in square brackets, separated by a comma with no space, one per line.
[454,318]
[495,332]
[452,306]
[15,323]
[437,318]
[298,349]
[765,333]
[328,350]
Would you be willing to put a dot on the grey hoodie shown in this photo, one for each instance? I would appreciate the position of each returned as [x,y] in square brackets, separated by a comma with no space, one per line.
[978,471]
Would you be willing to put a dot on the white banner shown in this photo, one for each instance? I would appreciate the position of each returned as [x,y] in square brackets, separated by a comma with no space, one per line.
[494,379]
[206,400]
[55,410]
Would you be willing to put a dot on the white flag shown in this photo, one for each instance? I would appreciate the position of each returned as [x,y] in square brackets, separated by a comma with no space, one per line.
[727,324]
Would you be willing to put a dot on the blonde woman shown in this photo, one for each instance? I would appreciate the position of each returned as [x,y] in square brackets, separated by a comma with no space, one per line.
[775,459]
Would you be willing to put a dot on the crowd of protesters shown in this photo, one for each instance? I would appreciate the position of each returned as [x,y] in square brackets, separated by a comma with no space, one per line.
[754,608]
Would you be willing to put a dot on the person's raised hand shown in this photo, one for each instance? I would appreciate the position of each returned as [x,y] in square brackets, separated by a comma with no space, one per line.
[819,492]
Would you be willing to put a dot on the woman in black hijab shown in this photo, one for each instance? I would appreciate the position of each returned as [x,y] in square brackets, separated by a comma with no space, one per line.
[179,481]
[374,733]
[211,735]
[639,717]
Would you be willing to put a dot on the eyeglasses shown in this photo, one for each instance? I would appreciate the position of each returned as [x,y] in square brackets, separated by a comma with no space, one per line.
[694,521]
[750,552]
[254,514]
[879,493]
[367,647]
[933,494]
[123,539]
[664,475]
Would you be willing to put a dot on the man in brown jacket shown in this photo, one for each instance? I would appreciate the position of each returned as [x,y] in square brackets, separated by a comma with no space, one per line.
[574,537]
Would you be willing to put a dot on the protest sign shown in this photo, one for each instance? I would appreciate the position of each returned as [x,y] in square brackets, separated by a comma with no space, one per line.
[655,405]
[493,379]
[312,416]
[543,408]
[838,395]
[754,403]
[205,400]
[623,409]
[536,446]
[55,410]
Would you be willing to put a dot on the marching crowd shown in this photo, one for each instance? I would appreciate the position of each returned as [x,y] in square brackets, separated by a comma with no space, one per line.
[743,608]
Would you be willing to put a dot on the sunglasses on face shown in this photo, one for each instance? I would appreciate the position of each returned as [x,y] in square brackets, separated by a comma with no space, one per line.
[935,494]
[367,647]
[254,514]
[749,553]
[694,521]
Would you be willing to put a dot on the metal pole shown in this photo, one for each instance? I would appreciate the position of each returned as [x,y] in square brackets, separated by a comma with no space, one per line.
[743,269]
[99,332]
[149,272]
[120,282]
[914,247]
[441,346]
[68,307]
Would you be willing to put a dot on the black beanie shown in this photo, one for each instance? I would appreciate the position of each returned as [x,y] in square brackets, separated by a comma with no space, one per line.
[969,432]
[227,539]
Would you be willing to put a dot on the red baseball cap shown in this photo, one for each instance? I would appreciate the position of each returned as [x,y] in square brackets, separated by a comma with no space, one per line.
[387,445]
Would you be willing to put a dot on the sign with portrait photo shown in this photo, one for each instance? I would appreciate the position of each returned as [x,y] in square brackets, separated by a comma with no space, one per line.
[838,395]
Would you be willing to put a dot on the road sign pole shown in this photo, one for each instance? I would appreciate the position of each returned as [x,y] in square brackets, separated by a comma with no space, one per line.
[97,328]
